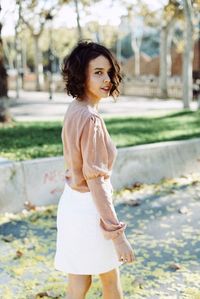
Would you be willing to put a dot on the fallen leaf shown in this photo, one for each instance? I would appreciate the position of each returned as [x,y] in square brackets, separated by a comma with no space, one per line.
[175,266]
[18,253]
[183,210]
[8,238]
[29,206]
[49,294]
[172,191]
[133,202]
[137,185]
[52,294]
[138,282]
[41,295]
[194,183]
[138,232]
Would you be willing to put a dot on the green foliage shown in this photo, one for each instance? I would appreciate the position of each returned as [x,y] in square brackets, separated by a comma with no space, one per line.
[63,40]
[107,33]
[29,140]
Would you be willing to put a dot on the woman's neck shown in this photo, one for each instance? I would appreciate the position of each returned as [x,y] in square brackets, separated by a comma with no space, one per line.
[94,105]
[88,101]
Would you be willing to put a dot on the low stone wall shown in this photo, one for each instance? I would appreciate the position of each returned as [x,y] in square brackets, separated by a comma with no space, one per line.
[41,181]
[148,89]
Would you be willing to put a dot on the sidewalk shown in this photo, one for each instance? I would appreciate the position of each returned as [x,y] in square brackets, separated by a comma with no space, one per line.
[163,227]
[37,106]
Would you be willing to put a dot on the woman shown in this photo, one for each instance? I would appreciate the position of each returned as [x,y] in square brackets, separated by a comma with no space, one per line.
[90,238]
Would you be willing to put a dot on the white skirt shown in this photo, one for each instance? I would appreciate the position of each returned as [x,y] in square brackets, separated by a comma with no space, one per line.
[80,246]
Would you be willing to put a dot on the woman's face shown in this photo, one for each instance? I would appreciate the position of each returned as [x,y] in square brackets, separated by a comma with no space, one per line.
[98,84]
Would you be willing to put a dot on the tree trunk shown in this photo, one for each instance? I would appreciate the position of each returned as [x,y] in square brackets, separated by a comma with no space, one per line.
[3,75]
[169,45]
[136,44]
[119,49]
[17,61]
[165,57]
[164,52]
[188,55]
[8,55]
[24,61]
[80,34]
[38,64]
[4,114]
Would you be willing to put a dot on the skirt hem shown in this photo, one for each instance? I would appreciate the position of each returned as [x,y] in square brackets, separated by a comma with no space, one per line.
[108,269]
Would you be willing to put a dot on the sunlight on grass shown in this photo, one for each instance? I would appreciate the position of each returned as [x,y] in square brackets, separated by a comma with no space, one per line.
[30,140]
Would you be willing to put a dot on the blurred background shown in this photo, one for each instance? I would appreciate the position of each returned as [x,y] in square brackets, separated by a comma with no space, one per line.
[156,42]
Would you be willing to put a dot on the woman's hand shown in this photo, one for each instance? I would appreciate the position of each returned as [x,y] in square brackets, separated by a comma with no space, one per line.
[124,250]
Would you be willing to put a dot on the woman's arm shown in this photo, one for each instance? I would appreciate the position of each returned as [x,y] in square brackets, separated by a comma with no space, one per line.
[96,173]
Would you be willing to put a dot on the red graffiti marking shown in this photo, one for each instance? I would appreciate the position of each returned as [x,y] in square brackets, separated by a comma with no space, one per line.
[56,190]
[53,176]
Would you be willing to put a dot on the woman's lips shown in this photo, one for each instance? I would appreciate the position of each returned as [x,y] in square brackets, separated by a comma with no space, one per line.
[106,89]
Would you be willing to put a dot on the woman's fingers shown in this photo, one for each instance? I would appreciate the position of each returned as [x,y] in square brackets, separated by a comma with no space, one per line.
[132,257]
[125,253]
[127,258]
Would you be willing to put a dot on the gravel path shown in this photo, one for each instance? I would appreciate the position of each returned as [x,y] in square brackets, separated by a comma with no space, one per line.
[34,106]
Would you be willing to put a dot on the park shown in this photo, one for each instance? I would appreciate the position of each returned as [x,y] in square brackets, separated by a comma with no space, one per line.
[154,124]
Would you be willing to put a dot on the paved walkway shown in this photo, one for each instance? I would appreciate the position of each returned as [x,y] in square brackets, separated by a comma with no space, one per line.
[37,106]
[163,226]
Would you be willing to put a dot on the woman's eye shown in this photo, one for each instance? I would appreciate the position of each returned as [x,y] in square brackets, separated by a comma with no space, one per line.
[98,73]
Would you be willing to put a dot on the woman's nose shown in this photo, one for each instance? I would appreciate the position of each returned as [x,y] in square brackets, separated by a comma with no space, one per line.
[107,78]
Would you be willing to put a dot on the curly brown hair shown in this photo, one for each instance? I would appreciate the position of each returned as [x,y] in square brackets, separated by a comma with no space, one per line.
[75,65]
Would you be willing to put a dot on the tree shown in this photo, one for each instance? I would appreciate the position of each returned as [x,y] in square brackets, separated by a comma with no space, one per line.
[188,54]
[136,41]
[165,57]
[80,34]
[77,9]
[4,115]
[171,12]
[34,16]
[139,17]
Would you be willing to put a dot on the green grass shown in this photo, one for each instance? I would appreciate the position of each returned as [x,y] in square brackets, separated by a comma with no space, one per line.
[30,140]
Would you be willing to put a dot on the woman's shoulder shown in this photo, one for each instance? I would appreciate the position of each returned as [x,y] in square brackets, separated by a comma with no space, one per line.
[79,114]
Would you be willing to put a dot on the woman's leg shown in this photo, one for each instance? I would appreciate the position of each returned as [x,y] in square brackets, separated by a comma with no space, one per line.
[111,284]
[78,286]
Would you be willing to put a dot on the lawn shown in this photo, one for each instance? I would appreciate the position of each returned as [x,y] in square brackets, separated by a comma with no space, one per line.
[30,140]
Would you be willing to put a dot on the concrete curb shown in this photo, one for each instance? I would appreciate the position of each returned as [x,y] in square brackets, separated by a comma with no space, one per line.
[41,181]
[151,163]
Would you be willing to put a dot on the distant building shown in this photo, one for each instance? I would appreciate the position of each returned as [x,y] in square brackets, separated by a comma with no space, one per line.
[151,66]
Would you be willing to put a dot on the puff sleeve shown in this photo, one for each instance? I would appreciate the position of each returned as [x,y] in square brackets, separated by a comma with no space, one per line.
[97,175]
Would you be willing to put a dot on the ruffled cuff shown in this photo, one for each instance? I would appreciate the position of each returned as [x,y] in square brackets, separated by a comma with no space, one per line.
[113,234]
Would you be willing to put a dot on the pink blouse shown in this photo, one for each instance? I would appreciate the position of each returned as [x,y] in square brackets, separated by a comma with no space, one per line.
[89,155]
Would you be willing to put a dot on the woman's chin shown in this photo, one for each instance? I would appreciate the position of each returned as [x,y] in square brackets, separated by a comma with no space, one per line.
[105,94]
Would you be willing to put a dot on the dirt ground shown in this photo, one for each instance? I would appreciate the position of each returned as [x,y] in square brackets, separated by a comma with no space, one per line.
[163,227]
